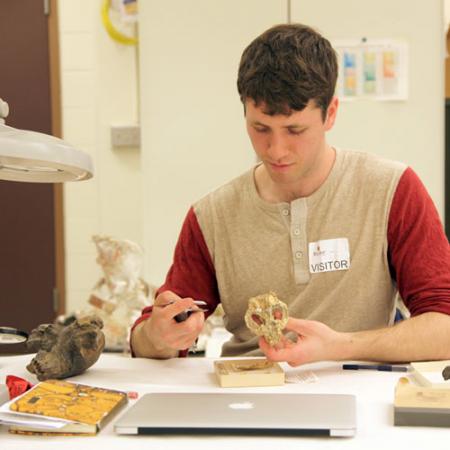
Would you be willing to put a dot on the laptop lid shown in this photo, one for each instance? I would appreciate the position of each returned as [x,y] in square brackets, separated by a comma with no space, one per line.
[241,413]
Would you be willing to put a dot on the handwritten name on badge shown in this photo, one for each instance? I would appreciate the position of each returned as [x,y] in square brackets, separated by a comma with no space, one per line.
[329,255]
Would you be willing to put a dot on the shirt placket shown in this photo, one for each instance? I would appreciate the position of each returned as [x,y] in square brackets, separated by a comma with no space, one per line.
[299,240]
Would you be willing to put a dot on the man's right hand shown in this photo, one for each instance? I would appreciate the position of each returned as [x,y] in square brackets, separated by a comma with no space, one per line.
[161,336]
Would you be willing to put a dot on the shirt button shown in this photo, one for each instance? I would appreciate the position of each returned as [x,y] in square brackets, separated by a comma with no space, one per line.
[298,255]
[297,231]
[285,212]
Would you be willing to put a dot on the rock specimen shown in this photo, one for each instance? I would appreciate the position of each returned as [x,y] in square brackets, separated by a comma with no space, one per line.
[65,351]
[446,373]
[267,316]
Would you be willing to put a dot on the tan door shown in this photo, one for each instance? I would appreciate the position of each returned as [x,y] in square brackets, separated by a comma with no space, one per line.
[28,244]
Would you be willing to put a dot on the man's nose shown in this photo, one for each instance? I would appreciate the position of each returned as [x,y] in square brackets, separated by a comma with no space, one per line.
[278,147]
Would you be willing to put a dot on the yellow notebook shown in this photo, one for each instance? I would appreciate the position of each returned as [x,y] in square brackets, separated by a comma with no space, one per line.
[83,409]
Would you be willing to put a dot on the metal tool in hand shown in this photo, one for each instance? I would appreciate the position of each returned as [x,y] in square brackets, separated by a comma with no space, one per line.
[183,315]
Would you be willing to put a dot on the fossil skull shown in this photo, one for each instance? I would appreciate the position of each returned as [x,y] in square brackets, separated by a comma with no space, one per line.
[267,316]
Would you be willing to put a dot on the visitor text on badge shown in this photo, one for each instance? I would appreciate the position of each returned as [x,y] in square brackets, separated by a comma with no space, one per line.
[329,255]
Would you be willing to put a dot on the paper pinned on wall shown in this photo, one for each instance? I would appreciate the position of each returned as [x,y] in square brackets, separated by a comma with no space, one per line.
[128,10]
[372,69]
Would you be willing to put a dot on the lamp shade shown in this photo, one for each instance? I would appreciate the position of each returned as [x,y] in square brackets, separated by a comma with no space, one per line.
[39,158]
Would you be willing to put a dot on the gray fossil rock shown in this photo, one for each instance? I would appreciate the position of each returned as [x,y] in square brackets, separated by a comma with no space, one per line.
[65,351]
[446,373]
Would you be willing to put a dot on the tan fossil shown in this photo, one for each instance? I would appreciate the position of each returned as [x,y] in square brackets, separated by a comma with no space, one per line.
[267,316]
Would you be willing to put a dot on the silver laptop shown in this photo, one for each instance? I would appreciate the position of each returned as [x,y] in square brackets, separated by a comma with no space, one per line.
[241,413]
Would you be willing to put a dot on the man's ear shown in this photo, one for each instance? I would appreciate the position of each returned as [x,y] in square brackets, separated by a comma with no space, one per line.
[331,113]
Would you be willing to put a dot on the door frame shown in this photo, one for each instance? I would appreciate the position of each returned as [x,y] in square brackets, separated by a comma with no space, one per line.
[55,99]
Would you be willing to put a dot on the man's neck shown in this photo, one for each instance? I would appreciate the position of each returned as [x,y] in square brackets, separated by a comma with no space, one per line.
[273,192]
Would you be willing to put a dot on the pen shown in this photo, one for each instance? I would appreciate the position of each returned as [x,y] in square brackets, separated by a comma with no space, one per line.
[182,316]
[380,367]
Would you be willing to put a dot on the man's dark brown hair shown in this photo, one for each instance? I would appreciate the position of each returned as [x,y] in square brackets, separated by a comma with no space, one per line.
[287,66]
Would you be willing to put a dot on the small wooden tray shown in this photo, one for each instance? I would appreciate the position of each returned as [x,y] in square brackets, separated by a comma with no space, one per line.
[421,406]
[248,373]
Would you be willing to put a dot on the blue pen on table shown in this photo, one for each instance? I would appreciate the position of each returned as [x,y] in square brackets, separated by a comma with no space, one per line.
[379,367]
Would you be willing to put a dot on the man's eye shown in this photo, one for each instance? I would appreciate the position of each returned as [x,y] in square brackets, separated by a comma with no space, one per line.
[261,130]
[296,132]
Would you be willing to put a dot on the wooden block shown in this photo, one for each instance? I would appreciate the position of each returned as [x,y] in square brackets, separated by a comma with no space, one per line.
[429,374]
[248,373]
[421,406]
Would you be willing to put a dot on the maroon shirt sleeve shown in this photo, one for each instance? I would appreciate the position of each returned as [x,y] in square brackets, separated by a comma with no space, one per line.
[192,273]
[419,252]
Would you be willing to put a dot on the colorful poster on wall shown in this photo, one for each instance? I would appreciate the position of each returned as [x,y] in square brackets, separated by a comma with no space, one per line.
[376,69]
[350,66]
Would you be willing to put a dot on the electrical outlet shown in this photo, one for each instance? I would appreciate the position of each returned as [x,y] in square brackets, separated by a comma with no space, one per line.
[126,136]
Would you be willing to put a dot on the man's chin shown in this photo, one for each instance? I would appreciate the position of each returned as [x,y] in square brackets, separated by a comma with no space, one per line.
[283,178]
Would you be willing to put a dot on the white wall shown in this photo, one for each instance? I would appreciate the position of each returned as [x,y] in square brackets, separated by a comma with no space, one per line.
[193,133]
[99,88]
[446,14]
[411,131]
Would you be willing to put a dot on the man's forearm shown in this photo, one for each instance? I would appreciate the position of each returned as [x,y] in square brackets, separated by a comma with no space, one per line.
[424,337]
[144,348]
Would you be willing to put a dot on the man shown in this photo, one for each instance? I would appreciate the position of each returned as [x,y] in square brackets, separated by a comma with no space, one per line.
[334,233]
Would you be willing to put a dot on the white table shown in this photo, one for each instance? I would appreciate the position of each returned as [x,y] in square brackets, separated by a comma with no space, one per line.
[374,391]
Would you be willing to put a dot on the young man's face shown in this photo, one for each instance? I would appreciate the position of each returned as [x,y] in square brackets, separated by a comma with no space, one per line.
[292,148]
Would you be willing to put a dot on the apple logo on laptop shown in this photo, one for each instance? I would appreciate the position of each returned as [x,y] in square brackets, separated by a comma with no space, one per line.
[241,405]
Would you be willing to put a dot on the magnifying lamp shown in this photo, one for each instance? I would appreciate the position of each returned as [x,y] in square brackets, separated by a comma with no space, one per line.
[39,158]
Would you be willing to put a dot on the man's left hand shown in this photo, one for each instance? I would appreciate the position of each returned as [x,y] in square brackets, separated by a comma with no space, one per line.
[315,342]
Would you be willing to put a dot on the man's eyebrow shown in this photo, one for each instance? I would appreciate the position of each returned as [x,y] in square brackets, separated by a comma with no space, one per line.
[295,127]
[257,122]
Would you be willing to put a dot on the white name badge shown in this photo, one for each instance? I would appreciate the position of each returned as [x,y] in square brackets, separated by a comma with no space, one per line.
[329,255]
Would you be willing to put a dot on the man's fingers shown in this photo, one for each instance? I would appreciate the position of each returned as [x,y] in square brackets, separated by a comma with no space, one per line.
[165,298]
[192,325]
[284,344]
[175,307]
[282,354]
[188,343]
[171,333]
[301,326]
